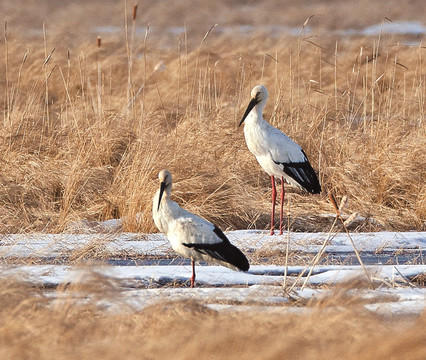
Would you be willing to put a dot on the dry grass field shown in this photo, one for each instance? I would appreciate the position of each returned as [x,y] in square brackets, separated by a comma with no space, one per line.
[335,329]
[86,128]
[95,102]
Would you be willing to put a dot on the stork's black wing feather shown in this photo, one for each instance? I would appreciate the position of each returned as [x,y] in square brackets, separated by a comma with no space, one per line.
[223,251]
[303,174]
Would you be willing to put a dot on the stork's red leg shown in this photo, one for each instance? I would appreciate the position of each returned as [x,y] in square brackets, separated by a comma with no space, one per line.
[193,273]
[274,197]
[282,205]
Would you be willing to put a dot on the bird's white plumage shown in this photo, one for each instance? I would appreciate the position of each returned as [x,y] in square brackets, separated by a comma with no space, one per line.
[182,227]
[276,153]
[268,144]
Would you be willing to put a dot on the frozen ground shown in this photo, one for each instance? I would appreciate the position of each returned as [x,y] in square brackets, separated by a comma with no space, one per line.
[144,270]
[251,241]
[398,27]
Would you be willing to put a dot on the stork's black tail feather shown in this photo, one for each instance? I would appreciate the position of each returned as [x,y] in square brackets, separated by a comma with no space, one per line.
[227,253]
[223,251]
[304,175]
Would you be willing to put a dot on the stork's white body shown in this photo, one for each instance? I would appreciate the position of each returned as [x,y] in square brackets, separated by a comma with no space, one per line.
[276,153]
[271,146]
[181,226]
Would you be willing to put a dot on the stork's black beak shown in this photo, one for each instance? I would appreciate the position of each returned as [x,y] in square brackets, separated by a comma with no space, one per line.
[251,105]
[162,188]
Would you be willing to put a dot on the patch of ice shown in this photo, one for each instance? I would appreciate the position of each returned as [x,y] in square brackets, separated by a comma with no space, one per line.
[235,30]
[400,27]
[387,273]
[261,309]
[52,245]
[397,308]
[141,276]
[397,27]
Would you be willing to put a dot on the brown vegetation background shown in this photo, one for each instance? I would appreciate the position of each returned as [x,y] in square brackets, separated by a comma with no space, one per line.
[85,130]
[75,146]
[79,324]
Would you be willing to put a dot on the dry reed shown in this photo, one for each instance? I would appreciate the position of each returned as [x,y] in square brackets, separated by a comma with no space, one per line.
[80,141]
[77,324]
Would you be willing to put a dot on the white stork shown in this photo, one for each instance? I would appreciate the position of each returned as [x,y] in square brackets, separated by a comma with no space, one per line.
[190,235]
[276,153]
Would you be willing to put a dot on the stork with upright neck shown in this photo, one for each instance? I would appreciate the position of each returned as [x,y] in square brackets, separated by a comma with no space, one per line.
[276,153]
[190,235]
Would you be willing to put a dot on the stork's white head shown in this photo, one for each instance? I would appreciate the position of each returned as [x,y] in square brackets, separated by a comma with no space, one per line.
[259,95]
[165,177]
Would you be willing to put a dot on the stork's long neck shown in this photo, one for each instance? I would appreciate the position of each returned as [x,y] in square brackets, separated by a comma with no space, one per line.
[165,212]
[165,200]
[256,115]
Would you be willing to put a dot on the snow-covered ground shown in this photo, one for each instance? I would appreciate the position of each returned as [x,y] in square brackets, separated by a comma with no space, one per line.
[390,288]
[398,27]
[252,241]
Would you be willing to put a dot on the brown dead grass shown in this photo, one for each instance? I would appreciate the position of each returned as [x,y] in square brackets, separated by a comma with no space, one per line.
[70,150]
[31,328]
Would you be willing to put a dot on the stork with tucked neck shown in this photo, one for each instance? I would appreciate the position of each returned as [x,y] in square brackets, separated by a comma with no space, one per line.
[190,235]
